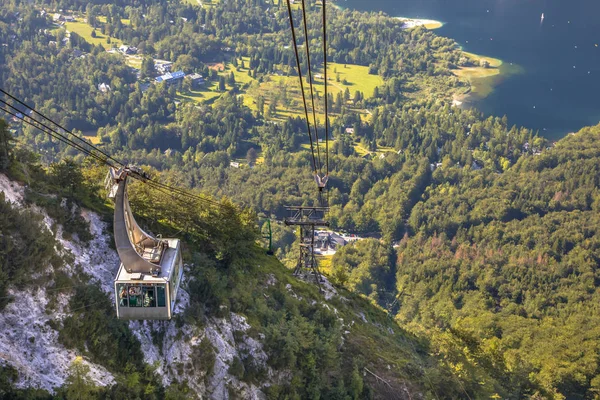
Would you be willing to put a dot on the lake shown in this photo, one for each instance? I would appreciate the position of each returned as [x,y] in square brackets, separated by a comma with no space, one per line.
[558,88]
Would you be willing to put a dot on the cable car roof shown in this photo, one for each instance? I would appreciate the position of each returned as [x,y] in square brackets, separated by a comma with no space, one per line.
[167,263]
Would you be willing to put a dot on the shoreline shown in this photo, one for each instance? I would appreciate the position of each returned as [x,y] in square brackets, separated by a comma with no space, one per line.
[409,23]
[483,75]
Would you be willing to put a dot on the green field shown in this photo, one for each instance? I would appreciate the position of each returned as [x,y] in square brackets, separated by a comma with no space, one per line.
[241,74]
[357,78]
[210,92]
[204,95]
[85,31]
[322,145]
[124,21]
[285,90]
[92,138]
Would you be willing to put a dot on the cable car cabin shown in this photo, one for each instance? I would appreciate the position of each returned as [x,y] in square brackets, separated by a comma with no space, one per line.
[146,296]
[151,268]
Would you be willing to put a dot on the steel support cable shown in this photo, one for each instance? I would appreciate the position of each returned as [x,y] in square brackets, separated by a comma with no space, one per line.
[326,94]
[58,136]
[310,81]
[176,190]
[312,149]
[108,156]
[172,191]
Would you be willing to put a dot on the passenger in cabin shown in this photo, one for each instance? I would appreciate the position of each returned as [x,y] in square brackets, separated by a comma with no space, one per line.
[123,296]
[149,299]
[134,296]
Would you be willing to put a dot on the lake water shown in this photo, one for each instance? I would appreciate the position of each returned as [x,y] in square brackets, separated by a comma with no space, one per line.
[558,89]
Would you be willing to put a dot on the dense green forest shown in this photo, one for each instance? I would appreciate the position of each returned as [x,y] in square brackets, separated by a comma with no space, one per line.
[484,233]
[500,269]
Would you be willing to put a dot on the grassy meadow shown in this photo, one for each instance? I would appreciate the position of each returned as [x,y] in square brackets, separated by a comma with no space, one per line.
[85,31]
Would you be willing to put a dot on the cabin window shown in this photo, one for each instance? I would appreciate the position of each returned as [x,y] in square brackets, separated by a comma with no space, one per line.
[122,293]
[141,295]
[149,296]
[135,296]
[160,295]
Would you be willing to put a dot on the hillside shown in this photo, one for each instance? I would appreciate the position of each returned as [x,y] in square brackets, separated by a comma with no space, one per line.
[500,270]
[244,327]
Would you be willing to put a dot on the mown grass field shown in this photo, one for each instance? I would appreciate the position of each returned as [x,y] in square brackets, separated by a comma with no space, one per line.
[85,31]
[124,21]
[203,95]
[357,78]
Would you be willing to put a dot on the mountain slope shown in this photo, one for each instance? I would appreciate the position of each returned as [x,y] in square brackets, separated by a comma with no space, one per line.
[507,265]
[243,328]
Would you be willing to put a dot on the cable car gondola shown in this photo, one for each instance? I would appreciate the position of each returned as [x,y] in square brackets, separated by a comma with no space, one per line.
[151,268]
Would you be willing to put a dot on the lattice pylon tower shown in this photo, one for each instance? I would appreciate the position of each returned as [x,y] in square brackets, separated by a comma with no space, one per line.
[308,219]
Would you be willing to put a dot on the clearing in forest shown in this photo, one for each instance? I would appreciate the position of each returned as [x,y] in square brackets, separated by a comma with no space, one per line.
[85,31]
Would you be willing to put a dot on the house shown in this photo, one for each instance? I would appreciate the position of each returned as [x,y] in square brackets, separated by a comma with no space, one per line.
[58,18]
[128,49]
[103,87]
[163,66]
[349,131]
[69,18]
[234,164]
[169,78]
[336,241]
[196,79]
[322,240]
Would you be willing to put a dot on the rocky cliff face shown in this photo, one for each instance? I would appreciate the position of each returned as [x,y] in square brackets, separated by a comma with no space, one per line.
[29,343]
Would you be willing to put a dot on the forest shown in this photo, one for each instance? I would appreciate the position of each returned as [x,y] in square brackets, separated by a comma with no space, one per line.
[483,235]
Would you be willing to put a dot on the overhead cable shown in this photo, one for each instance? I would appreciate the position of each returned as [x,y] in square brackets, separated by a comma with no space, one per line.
[108,156]
[310,81]
[91,149]
[326,94]
[312,149]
